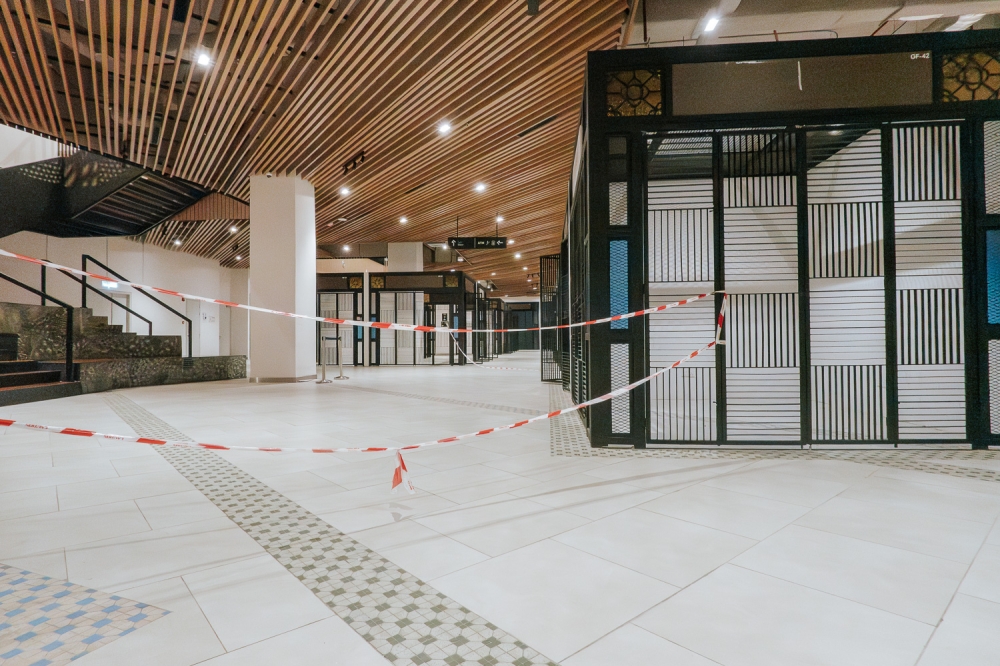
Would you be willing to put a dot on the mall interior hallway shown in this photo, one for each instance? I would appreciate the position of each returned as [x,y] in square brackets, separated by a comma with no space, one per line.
[523,547]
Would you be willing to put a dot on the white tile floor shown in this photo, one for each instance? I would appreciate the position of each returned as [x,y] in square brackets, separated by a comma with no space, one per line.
[602,560]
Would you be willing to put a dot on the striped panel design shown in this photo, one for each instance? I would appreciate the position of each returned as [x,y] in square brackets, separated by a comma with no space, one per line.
[762,331]
[932,402]
[928,239]
[847,322]
[337,306]
[853,174]
[926,163]
[618,204]
[994,372]
[681,245]
[762,404]
[666,194]
[756,192]
[848,402]
[675,333]
[682,405]
[991,165]
[761,244]
[621,416]
[845,240]
[215,207]
[930,327]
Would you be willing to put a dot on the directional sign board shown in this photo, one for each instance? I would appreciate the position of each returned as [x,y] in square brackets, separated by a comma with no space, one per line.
[477,242]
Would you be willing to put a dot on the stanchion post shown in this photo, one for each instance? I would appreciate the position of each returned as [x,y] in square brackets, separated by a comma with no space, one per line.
[340,360]
[322,344]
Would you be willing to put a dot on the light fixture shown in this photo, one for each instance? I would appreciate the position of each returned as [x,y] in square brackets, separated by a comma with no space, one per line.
[499,219]
[529,279]
[107,284]
[919,17]
[444,246]
[403,220]
[461,259]
[344,191]
[329,224]
[525,268]
[347,248]
[444,128]
[711,25]
[177,241]
[479,187]
[233,229]
[204,60]
[510,241]
[239,258]
[494,273]
[836,132]
[517,255]
[453,270]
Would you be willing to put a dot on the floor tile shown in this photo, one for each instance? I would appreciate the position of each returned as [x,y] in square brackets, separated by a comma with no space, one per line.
[177,509]
[898,581]
[738,513]
[583,495]
[632,646]
[20,503]
[934,535]
[671,550]
[105,491]
[46,531]
[321,643]
[554,597]
[418,549]
[252,600]
[779,485]
[739,617]
[967,636]
[923,498]
[983,578]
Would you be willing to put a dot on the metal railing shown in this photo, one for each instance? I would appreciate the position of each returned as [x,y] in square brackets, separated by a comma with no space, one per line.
[69,374]
[99,293]
[111,271]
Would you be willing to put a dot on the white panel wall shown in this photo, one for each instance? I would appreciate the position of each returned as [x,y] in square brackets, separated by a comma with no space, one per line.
[18,147]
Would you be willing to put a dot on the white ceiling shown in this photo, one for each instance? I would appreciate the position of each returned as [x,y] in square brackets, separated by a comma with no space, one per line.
[679,22]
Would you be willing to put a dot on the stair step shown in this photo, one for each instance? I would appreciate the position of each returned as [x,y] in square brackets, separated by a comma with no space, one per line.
[6,367]
[16,395]
[28,378]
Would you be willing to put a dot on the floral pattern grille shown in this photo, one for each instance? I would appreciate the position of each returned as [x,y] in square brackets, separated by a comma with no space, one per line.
[969,77]
[634,93]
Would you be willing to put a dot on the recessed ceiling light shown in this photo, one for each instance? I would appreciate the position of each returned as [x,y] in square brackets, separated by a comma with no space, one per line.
[461,259]
[204,60]
[344,191]
[517,255]
[919,17]
[177,241]
[529,279]
[499,218]
[233,229]
[510,241]
[444,128]
[711,25]
[329,224]
[525,268]
[453,270]
[347,248]
[493,273]
[403,220]
[239,258]
[480,187]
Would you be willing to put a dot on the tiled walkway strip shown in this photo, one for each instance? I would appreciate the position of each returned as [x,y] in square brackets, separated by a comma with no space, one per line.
[406,620]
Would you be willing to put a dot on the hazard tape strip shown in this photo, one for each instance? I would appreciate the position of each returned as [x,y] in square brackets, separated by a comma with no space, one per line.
[399,477]
[382,325]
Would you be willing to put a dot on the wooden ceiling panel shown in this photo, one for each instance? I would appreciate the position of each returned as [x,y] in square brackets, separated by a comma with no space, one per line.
[214,91]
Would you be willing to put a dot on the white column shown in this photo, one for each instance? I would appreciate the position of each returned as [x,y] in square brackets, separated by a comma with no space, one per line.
[366,297]
[282,277]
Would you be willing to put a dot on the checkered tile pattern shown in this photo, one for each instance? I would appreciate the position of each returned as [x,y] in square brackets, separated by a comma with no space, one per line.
[402,617]
[46,622]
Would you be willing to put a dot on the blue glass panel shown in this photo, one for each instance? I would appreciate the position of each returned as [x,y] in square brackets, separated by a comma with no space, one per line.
[993,277]
[619,281]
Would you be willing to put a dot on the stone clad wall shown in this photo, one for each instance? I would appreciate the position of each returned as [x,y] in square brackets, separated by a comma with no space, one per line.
[107,375]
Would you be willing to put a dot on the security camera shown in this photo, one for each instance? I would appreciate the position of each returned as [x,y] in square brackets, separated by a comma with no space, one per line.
[269,174]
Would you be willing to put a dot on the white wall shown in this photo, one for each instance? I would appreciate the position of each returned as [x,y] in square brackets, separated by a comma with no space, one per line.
[141,263]
[406,257]
[349,266]
[18,147]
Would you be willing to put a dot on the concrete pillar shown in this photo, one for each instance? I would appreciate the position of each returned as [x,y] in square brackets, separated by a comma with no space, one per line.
[406,257]
[282,277]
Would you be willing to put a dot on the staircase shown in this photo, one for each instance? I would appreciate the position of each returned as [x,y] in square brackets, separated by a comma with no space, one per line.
[29,381]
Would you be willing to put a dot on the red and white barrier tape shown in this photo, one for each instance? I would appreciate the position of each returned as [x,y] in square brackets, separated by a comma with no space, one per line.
[382,325]
[400,476]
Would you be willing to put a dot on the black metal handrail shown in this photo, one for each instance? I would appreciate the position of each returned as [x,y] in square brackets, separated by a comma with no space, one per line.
[105,297]
[121,277]
[69,373]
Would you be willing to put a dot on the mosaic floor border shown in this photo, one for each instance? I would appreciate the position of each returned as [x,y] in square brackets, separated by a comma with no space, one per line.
[405,619]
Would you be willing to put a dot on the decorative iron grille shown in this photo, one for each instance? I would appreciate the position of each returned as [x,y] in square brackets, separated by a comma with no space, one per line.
[634,93]
[970,77]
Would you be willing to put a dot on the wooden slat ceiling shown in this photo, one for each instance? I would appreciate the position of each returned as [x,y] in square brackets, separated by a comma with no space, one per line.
[304,87]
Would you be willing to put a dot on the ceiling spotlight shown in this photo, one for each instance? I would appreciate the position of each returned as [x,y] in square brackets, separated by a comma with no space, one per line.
[233,229]
[453,270]
[329,224]
[177,241]
[525,268]
[517,255]
[461,259]
[444,128]
[239,258]
[499,218]
[347,248]
[204,60]
[403,220]
[510,241]
[344,191]
[480,187]
[494,273]
[711,25]
[529,279]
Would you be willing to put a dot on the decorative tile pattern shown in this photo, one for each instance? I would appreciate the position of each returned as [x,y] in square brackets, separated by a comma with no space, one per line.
[406,620]
[46,622]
